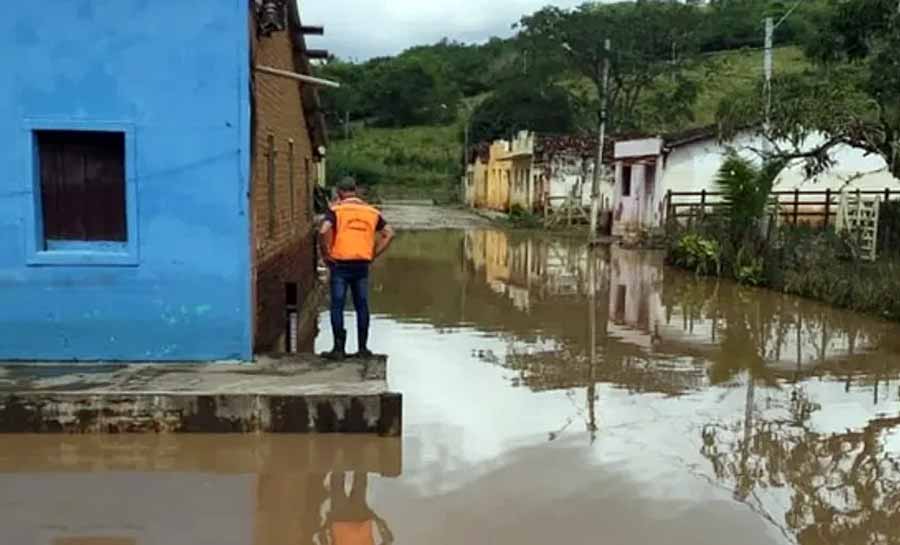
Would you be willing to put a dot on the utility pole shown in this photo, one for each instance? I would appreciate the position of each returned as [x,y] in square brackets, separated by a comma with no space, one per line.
[767,67]
[768,63]
[601,143]
[466,145]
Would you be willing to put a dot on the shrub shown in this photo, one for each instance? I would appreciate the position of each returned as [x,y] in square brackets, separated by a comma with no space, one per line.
[697,253]
[746,191]
[524,219]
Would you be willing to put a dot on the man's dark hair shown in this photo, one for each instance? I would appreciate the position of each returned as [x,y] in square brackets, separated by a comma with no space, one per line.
[347,185]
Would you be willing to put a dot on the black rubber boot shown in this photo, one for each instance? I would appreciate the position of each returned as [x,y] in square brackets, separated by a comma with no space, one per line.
[340,344]
[364,352]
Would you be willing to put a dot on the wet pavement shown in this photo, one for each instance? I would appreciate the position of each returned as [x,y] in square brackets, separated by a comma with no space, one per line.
[412,216]
[550,395]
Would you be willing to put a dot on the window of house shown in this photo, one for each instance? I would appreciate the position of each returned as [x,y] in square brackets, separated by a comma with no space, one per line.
[309,174]
[271,155]
[626,180]
[291,178]
[82,187]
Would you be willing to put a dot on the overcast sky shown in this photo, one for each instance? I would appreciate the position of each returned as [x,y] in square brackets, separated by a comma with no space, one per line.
[360,29]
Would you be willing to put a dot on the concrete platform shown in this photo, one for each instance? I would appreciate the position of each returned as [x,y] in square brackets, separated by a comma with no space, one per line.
[292,394]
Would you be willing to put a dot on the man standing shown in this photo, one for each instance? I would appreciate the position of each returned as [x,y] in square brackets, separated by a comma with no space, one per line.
[352,236]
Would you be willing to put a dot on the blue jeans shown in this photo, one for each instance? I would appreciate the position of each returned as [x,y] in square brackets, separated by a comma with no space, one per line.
[354,276]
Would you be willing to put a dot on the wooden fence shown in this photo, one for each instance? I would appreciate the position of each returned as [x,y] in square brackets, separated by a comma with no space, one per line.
[817,208]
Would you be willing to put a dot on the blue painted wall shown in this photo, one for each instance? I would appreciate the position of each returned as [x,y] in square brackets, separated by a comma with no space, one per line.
[175,73]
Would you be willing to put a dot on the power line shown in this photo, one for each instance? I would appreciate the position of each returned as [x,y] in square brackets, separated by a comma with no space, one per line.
[788,14]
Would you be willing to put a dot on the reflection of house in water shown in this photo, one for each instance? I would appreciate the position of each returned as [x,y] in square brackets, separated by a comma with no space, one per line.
[523,267]
[658,329]
[214,491]
[635,303]
[670,312]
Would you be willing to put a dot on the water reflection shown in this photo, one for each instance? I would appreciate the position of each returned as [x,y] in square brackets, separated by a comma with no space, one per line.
[196,490]
[840,487]
[540,289]
[549,393]
[790,405]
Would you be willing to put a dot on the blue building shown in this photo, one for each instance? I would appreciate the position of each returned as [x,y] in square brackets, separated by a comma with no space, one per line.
[155,184]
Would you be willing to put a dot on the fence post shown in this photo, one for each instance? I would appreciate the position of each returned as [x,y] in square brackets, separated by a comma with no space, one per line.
[702,204]
[827,207]
[796,206]
[669,217]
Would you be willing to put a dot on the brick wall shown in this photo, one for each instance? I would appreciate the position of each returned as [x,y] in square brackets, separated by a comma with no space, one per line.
[283,178]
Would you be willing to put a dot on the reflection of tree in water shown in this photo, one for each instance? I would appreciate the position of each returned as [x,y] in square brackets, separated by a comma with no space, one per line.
[777,329]
[844,488]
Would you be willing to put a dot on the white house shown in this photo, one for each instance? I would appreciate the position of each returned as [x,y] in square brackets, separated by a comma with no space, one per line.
[646,169]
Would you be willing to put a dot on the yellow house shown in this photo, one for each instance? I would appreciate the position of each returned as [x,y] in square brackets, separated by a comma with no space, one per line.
[534,173]
[499,174]
[522,188]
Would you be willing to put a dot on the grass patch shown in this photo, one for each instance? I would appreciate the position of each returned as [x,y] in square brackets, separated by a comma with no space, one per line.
[412,162]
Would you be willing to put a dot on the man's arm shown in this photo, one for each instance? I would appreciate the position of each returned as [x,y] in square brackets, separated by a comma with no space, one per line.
[326,240]
[385,237]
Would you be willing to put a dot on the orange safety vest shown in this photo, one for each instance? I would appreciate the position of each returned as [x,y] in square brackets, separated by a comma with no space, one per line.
[354,234]
[352,533]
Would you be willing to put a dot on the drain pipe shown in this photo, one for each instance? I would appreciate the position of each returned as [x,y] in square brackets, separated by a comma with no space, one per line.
[295,76]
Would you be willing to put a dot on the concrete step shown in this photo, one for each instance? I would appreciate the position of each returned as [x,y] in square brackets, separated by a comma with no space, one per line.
[296,394]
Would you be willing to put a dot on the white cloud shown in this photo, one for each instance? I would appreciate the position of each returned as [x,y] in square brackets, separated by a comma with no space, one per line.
[360,29]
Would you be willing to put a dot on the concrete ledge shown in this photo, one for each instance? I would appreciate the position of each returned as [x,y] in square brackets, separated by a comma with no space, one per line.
[301,394]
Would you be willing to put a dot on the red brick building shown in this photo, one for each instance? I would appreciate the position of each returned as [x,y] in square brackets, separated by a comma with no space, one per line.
[288,143]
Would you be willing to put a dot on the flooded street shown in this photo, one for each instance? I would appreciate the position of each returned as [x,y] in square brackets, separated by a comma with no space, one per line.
[551,395]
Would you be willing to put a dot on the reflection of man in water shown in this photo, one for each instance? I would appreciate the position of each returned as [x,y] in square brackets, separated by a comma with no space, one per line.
[350,520]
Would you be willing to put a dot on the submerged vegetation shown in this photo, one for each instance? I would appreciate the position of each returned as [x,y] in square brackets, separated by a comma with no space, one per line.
[741,243]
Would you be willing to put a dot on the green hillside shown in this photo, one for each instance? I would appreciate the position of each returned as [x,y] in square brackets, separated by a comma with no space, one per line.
[425,161]
[411,162]
[735,70]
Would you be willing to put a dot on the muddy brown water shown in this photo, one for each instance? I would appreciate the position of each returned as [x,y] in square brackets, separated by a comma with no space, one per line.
[552,395]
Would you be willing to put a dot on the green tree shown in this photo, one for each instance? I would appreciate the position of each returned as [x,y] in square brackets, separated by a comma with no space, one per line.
[405,93]
[516,106]
[650,41]
[350,98]
[852,95]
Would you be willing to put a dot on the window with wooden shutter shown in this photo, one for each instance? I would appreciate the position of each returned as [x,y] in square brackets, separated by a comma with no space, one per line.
[82,185]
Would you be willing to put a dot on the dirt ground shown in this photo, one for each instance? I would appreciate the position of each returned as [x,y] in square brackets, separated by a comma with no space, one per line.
[420,217]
